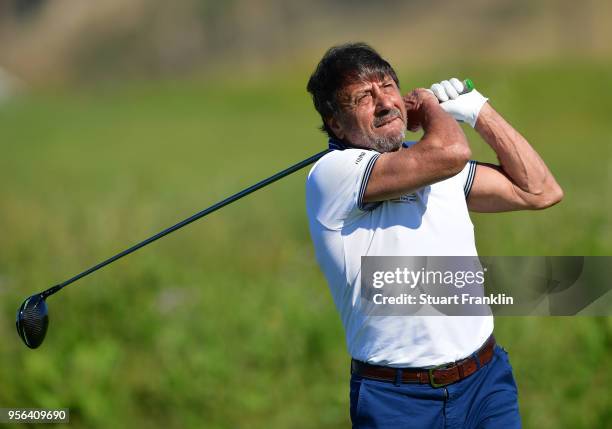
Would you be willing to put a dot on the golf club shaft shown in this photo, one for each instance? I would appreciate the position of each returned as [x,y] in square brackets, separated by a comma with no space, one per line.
[193,218]
[468,86]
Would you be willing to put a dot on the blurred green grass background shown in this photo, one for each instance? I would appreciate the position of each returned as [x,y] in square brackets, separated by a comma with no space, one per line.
[228,323]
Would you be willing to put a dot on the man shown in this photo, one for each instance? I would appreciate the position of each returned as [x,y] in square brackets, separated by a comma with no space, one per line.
[378,195]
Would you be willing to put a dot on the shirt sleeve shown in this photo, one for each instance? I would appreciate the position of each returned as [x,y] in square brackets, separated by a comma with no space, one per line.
[336,185]
[467,176]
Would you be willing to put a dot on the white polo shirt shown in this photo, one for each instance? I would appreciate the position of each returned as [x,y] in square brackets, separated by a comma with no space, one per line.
[433,221]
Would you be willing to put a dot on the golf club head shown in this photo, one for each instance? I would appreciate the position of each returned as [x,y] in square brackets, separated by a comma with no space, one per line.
[33,320]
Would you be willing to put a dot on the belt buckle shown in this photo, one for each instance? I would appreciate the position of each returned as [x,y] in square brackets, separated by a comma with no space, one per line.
[431,375]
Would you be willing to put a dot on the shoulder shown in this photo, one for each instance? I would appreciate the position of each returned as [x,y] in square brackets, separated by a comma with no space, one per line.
[343,159]
[340,163]
[335,185]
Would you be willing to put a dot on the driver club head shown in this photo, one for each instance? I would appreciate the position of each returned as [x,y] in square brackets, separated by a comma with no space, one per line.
[33,320]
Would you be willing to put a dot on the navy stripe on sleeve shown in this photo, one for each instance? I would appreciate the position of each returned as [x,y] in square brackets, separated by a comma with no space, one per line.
[470,178]
[364,184]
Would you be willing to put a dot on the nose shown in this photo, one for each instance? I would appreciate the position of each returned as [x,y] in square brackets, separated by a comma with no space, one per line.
[384,102]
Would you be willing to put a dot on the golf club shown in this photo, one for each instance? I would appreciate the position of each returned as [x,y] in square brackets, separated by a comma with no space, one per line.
[33,314]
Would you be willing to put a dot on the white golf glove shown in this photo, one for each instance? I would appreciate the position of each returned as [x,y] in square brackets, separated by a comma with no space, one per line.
[463,107]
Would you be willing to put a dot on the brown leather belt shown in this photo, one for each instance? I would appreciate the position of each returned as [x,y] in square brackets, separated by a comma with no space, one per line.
[438,376]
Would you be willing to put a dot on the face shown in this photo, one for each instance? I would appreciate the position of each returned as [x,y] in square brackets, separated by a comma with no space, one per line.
[373,115]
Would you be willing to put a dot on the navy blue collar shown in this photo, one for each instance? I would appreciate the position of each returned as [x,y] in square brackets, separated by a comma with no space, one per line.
[336,144]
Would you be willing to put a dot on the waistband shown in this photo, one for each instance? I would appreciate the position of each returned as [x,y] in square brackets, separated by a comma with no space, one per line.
[439,376]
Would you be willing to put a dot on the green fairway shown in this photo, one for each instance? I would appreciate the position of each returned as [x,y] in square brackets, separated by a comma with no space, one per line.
[229,323]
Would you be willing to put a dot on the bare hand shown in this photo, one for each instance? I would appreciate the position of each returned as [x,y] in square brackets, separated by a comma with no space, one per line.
[417,102]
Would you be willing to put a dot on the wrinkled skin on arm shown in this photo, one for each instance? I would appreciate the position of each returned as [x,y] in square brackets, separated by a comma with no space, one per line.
[520,181]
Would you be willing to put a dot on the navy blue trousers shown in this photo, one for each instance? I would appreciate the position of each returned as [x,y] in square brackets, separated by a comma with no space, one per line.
[486,399]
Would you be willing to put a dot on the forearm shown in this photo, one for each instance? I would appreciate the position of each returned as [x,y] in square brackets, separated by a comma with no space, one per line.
[441,153]
[441,127]
[443,149]
[516,156]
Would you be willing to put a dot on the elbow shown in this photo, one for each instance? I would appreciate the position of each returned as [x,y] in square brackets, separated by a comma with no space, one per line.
[558,194]
[549,198]
[464,154]
[458,154]
[554,196]
[450,154]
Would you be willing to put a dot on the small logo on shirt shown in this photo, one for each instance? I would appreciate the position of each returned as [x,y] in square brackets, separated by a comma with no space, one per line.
[408,198]
[360,157]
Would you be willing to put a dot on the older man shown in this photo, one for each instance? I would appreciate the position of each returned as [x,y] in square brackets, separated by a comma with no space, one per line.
[378,195]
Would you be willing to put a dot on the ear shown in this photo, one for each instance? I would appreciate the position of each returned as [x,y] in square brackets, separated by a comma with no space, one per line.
[335,125]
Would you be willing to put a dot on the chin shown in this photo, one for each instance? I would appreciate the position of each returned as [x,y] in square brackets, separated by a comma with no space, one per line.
[390,143]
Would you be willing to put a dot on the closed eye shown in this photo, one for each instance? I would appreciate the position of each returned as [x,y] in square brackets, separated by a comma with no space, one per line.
[363,97]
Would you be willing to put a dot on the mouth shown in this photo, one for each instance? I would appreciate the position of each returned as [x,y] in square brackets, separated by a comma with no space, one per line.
[386,121]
